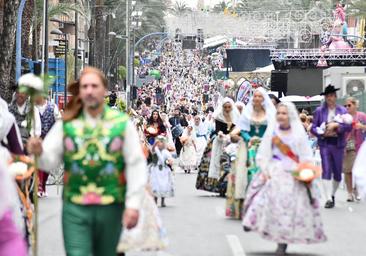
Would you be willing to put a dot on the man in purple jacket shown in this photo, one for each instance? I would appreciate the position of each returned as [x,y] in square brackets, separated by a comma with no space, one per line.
[331,141]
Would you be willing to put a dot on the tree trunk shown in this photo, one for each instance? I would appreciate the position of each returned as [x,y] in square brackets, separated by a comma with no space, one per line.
[26,28]
[7,44]
[36,31]
[99,35]
[91,35]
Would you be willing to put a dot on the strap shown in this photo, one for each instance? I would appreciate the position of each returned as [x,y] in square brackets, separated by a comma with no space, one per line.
[284,148]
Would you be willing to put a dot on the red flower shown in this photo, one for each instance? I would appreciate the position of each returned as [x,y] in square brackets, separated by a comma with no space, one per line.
[66,178]
[122,178]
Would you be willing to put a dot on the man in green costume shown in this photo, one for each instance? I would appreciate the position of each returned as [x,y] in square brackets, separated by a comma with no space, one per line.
[105,169]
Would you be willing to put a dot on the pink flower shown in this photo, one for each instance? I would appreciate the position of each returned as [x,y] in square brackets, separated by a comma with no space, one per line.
[92,198]
[116,145]
[69,144]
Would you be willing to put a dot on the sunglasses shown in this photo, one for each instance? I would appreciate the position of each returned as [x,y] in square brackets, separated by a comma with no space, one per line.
[348,105]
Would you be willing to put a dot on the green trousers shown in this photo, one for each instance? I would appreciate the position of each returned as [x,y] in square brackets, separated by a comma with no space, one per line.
[91,230]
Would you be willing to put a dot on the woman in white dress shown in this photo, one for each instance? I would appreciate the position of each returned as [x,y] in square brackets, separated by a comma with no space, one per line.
[161,176]
[359,171]
[277,205]
[202,136]
[188,155]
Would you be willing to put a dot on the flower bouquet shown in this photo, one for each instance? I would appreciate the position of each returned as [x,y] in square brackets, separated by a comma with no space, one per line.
[152,130]
[21,167]
[306,173]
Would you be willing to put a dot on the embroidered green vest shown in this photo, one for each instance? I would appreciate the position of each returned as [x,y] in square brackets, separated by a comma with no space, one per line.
[94,163]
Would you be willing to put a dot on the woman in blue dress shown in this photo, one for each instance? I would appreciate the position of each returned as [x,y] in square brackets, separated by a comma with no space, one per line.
[251,127]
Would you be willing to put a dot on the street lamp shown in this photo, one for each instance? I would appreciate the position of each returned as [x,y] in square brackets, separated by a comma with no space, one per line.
[135,24]
[60,33]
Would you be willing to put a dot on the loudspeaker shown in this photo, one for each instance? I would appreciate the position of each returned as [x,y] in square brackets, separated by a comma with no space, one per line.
[200,37]
[279,81]
[189,42]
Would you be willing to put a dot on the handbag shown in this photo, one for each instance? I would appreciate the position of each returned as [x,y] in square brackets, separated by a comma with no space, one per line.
[149,234]
[177,131]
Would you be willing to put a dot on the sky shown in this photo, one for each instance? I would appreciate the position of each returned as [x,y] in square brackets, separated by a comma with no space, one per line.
[193,3]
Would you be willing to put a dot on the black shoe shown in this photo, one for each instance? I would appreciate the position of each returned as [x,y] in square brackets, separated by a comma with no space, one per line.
[329,204]
[246,229]
[281,250]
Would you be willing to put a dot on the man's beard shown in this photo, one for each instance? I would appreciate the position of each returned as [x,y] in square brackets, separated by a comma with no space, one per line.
[94,106]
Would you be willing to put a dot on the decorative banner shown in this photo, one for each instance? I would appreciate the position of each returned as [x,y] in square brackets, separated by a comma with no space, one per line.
[244,92]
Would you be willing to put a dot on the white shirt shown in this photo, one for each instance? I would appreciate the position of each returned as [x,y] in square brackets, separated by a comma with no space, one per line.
[331,114]
[136,167]
[42,109]
[37,127]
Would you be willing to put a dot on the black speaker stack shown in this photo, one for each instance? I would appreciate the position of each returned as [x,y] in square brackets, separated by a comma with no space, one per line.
[200,38]
[189,42]
[279,80]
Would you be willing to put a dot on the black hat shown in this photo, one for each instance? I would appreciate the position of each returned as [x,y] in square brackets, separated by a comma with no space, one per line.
[329,89]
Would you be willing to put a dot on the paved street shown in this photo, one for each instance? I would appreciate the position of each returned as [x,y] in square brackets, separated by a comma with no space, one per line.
[197,227]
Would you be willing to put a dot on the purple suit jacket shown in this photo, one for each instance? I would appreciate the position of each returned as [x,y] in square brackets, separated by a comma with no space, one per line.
[321,116]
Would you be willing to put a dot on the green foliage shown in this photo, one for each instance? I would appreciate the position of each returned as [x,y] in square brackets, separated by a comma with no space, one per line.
[220,7]
[180,8]
[106,100]
[136,62]
[121,105]
[55,10]
[122,72]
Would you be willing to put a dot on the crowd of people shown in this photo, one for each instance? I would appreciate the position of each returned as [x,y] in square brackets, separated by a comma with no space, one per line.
[260,154]
[265,157]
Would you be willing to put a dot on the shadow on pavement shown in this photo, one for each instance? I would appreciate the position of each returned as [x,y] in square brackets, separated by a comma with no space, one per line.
[273,254]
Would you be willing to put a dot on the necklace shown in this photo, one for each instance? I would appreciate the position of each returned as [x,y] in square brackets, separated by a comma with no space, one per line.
[285,128]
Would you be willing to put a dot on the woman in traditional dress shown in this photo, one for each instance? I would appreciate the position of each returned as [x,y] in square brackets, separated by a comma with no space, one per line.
[253,123]
[359,172]
[9,133]
[209,176]
[278,206]
[169,136]
[188,157]
[201,132]
[11,237]
[155,127]
[161,177]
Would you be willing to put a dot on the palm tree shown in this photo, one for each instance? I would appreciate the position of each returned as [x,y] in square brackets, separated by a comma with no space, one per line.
[180,8]
[221,7]
[7,46]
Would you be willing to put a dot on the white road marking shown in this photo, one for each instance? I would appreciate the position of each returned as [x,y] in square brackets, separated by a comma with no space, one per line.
[235,245]
[220,211]
[162,253]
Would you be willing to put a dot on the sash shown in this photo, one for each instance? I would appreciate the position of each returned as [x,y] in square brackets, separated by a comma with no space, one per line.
[285,149]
